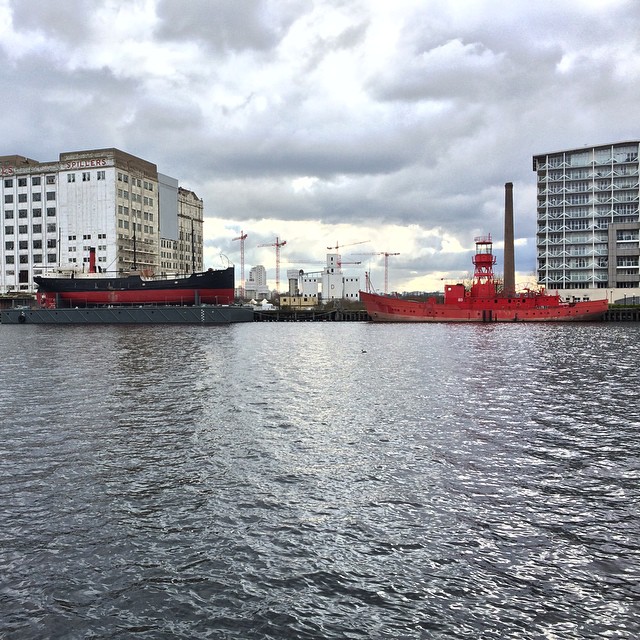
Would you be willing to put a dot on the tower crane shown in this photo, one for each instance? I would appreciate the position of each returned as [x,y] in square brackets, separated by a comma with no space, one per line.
[277,244]
[386,255]
[242,237]
[337,247]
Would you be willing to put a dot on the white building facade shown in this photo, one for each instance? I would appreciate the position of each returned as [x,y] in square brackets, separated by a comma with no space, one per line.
[330,283]
[256,284]
[54,212]
[588,222]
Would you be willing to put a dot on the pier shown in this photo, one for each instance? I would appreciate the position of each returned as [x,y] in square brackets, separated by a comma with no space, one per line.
[622,314]
[311,315]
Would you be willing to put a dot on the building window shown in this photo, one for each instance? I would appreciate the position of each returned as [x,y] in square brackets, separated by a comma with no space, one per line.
[35,181]
[86,176]
[51,212]
[51,195]
[8,214]
[71,177]
[37,244]
[8,246]
[51,227]
[101,175]
[23,228]
[10,260]
[37,258]
[36,197]
[51,179]
[22,197]
[37,213]
[8,231]
[24,259]
[8,183]
[22,182]
[8,199]
[51,257]
[22,213]
[51,244]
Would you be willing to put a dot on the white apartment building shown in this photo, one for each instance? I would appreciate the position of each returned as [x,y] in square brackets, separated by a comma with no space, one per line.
[54,212]
[588,223]
[256,284]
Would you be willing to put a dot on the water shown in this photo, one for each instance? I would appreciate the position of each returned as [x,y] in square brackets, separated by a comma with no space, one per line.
[321,480]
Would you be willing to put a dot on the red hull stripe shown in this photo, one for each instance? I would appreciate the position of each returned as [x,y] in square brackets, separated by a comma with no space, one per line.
[141,296]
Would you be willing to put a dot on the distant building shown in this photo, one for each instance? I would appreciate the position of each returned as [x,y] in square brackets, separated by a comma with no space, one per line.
[588,224]
[335,285]
[298,301]
[330,283]
[54,212]
[256,284]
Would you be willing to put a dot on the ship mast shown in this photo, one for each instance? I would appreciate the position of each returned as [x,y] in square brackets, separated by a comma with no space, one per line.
[135,255]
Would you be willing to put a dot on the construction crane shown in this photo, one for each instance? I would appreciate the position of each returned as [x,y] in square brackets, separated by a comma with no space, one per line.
[337,247]
[340,263]
[386,255]
[242,237]
[277,244]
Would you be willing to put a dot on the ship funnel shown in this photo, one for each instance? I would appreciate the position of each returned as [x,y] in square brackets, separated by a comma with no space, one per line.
[92,259]
[509,261]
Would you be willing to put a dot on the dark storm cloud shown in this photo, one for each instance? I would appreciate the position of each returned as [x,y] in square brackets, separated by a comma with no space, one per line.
[227,25]
[65,21]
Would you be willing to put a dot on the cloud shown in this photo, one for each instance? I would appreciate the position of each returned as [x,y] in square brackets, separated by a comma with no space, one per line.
[329,120]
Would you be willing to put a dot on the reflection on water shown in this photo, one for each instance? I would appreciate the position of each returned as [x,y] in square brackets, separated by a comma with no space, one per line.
[320,481]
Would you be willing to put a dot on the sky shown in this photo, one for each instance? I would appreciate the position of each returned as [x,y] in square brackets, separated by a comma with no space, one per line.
[371,125]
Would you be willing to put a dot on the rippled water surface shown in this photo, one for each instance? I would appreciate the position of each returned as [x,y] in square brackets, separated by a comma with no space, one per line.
[330,480]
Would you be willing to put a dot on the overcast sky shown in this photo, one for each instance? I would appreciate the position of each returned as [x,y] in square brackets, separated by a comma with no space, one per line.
[389,123]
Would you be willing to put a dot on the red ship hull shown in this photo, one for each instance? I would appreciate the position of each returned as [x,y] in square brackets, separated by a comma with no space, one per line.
[484,301]
[519,308]
[209,287]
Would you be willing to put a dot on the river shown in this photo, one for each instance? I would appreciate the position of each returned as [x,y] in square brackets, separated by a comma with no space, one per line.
[320,480]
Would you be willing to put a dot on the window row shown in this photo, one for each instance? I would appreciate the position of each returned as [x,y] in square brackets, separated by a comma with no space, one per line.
[136,213]
[24,197]
[36,181]
[9,245]
[9,230]
[626,235]
[87,236]
[23,213]
[136,182]
[86,176]
[137,226]
[36,258]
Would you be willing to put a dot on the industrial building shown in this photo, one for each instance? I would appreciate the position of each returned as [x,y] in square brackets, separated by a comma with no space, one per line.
[134,217]
[330,283]
[588,225]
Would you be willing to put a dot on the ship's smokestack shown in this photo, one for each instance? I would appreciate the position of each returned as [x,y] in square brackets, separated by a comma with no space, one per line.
[509,262]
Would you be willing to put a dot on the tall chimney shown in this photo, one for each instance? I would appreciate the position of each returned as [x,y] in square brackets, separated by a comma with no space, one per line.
[509,262]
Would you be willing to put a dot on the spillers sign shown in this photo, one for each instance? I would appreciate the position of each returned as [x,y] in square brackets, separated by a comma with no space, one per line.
[85,164]
[10,170]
